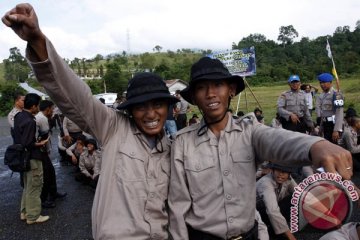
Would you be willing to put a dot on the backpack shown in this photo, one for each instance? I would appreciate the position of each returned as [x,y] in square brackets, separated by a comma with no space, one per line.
[17,158]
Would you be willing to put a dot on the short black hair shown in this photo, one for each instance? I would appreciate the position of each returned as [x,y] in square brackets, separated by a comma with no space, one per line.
[31,99]
[44,104]
[17,96]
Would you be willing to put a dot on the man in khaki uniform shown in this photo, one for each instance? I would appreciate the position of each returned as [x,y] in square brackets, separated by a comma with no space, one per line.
[212,187]
[292,107]
[329,107]
[18,107]
[131,195]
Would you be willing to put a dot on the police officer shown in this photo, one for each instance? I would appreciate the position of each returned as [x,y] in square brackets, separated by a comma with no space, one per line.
[18,107]
[329,108]
[292,107]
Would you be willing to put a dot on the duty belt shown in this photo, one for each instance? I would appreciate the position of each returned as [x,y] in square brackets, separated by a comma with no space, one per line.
[328,119]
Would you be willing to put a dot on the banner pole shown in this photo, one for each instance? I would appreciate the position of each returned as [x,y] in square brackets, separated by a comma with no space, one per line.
[247,84]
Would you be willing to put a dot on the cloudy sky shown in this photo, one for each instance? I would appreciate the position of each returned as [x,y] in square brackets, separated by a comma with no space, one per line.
[84,28]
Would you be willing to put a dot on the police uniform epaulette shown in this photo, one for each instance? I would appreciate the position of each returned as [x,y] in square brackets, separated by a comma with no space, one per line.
[188,129]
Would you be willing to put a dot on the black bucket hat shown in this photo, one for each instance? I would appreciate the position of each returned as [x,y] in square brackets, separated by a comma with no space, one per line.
[350,112]
[93,142]
[281,167]
[210,69]
[144,87]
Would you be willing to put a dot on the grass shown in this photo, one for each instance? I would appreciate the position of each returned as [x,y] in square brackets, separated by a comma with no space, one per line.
[267,97]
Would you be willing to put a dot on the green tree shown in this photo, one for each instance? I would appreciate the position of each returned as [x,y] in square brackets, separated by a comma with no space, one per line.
[157,48]
[287,35]
[16,67]
[114,79]
[7,91]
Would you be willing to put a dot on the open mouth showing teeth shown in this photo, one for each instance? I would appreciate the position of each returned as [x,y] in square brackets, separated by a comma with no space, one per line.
[213,104]
[151,124]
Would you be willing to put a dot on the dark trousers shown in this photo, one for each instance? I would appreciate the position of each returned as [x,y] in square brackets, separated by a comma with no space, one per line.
[49,187]
[298,127]
[284,206]
[356,161]
[181,121]
[194,234]
[328,128]
[80,177]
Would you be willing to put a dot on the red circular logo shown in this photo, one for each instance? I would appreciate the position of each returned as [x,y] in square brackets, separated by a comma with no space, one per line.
[325,206]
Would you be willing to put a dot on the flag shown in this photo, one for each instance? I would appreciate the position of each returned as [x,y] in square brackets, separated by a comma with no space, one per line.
[328,49]
[335,73]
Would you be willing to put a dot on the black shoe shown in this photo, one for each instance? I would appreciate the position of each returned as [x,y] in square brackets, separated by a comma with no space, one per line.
[60,195]
[48,204]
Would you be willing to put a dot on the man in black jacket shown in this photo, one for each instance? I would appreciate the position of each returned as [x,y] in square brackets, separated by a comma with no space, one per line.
[24,134]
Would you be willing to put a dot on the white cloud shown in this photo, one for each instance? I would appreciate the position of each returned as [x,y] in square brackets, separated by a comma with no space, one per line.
[84,28]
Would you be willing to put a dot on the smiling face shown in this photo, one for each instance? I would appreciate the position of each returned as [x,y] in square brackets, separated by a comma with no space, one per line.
[280,176]
[212,97]
[150,116]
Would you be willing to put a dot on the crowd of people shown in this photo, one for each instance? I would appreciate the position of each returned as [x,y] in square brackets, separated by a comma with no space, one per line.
[200,185]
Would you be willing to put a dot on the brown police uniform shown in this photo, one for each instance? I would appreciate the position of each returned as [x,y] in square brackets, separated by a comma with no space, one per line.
[130,200]
[294,102]
[331,117]
[212,187]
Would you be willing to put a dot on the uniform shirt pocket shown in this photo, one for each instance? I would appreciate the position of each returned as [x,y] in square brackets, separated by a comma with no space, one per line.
[201,174]
[243,163]
[327,105]
[130,165]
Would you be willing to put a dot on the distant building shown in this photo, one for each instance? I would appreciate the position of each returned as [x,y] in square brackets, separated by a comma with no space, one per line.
[175,84]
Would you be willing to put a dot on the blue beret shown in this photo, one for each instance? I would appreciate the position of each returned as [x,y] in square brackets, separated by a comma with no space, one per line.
[293,78]
[325,77]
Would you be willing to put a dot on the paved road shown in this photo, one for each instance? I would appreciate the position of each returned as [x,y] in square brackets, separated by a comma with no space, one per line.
[71,219]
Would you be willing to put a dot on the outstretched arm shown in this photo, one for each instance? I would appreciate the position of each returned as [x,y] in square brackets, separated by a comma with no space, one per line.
[23,20]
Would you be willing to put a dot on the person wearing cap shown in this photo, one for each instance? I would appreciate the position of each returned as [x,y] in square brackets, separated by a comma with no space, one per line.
[259,115]
[349,114]
[89,164]
[292,107]
[329,107]
[130,198]
[274,192]
[212,189]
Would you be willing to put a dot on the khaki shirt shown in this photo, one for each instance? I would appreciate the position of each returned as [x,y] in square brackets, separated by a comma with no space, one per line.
[70,126]
[42,126]
[266,190]
[350,138]
[294,102]
[130,197]
[324,108]
[11,116]
[212,186]
[91,162]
